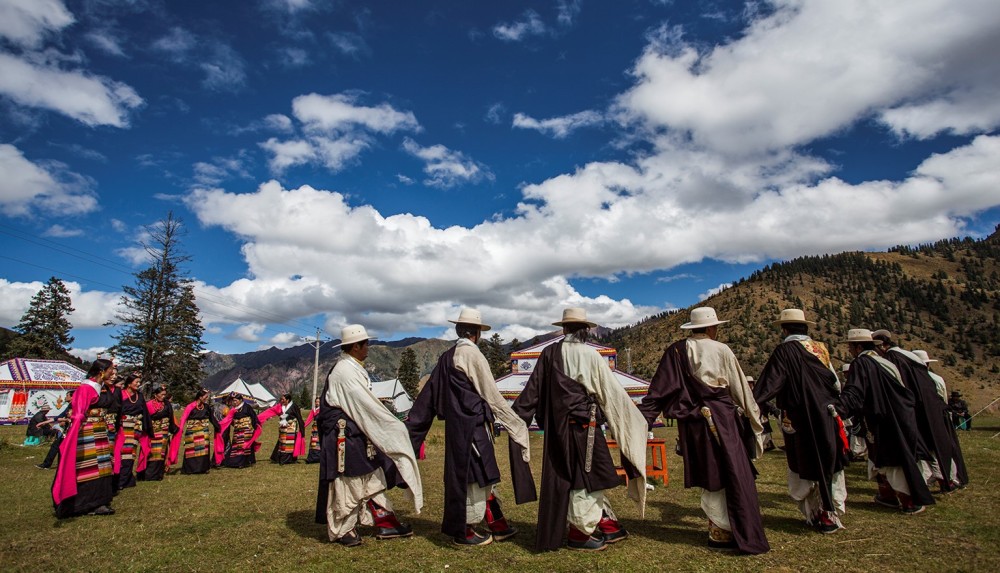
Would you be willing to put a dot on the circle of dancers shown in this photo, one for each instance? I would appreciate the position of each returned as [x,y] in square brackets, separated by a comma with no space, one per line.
[890,411]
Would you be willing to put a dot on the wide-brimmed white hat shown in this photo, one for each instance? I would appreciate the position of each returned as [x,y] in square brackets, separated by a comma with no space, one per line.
[702,317]
[353,333]
[793,316]
[859,335]
[574,316]
[470,316]
[922,354]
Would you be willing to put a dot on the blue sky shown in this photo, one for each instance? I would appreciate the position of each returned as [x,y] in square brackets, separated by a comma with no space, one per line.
[389,162]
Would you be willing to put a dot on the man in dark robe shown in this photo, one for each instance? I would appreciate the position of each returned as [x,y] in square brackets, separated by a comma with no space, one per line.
[571,393]
[461,390]
[700,383]
[876,391]
[799,376]
[959,409]
[366,451]
[945,464]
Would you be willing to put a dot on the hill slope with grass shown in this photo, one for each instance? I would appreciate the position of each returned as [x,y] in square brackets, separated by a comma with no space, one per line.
[942,297]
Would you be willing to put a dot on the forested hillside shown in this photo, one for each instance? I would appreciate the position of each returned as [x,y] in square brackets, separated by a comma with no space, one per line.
[942,297]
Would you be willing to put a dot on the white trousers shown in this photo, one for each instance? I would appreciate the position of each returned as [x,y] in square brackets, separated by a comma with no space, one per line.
[346,503]
[475,503]
[810,502]
[586,509]
[713,503]
[895,476]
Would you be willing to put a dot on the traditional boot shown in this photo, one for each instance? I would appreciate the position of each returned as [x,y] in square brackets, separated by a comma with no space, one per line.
[612,529]
[824,523]
[886,495]
[496,521]
[388,527]
[907,506]
[719,538]
[473,537]
[580,541]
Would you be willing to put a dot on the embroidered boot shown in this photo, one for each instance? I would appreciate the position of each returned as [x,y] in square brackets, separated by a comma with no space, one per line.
[907,506]
[388,527]
[886,495]
[473,537]
[612,529]
[581,541]
[496,521]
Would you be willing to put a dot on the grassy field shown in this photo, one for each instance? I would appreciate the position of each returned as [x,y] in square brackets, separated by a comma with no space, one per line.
[261,519]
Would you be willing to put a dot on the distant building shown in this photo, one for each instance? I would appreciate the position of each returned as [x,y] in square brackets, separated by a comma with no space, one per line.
[26,383]
[522,364]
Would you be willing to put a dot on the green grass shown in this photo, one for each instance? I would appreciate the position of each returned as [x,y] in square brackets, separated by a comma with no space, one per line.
[261,519]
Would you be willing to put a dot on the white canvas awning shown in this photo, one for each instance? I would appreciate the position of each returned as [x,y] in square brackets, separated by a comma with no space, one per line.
[256,392]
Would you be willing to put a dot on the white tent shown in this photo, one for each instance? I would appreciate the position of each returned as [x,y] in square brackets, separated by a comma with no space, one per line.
[393,390]
[255,392]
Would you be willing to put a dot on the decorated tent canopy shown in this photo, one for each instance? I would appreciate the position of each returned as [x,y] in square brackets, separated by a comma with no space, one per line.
[522,364]
[392,390]
[27,383]
[254,392]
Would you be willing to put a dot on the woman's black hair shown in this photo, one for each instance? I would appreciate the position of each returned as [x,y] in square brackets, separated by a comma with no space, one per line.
[98,366]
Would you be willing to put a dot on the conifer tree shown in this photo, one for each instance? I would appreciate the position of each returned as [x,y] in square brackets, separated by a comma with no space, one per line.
[493,350]
[160,332]
[409,373]
[44,327]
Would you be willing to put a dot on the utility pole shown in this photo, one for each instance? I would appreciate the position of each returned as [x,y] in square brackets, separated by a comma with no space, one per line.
[628,359]
[315,370]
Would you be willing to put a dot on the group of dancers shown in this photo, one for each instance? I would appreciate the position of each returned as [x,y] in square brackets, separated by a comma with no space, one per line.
[116,438]
[364,450]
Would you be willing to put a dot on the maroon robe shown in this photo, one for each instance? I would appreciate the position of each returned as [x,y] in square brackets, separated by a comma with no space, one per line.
[562,408]
[709,464]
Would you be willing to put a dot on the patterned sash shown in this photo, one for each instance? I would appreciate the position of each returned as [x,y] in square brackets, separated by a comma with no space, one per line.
[817,349]
[129,425]
[158,442]
[93,451]
[286,437]
[195,438]
[314,438]
[242,432]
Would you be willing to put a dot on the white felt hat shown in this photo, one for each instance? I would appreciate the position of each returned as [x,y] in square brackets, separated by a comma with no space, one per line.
[859,335]
[353,333]
[793,316]
[574,316]
[470,316]
[922,354]
[702,317]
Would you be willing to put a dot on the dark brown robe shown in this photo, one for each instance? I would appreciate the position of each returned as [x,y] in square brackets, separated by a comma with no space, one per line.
[932,416]
[803,388]
[561,406]
[887,407]
[709,463]
[469,455]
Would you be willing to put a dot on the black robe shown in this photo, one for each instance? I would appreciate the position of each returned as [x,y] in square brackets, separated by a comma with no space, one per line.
[285,458]
[201,464]
[932,416]
[709,464]
[156,468]
[126,478]
[356,459]
[245,457]
[469,455]
[803,388]
[561,407]
[887,408]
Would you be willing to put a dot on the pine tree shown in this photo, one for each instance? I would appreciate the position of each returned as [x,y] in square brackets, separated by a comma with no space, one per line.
[493,350]
[44,327]
[409,373]
[160,330]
